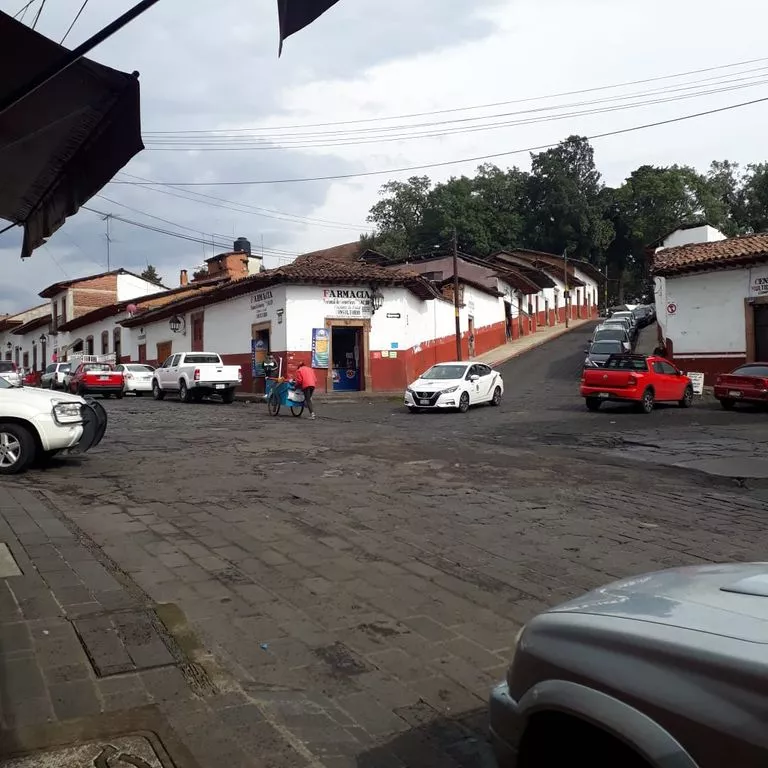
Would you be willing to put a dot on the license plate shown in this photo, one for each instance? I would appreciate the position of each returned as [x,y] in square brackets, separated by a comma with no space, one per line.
[604,394]
[103,378]
[423,402]
[734,393]
[220,386]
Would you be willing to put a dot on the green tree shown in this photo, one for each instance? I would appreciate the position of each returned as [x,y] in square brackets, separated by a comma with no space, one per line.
[150,275]
[751,208]
[398,217]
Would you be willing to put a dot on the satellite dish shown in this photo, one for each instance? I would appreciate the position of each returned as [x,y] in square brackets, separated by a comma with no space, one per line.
[132,309]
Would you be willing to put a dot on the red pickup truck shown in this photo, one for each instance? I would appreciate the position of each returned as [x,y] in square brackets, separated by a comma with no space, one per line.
[640,379]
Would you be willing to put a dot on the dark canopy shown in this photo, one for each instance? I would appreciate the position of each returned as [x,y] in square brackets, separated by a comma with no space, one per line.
[297,14]
[64,142]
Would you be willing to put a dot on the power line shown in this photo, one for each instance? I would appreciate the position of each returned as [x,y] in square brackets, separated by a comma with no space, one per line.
[74,21]
[445,163]
[481,106]
[39,11]
[699,85]
[23,11]
[451,131]
[226,204]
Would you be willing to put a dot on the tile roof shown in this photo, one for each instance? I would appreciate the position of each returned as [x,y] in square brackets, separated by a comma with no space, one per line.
[348,252]
[56,288]
[721,254]
[32,325]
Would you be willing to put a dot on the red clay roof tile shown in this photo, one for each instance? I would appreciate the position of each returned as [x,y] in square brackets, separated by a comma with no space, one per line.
[698,257]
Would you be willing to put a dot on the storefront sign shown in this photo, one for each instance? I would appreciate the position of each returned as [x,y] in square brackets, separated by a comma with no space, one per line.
[758,281]
[258,356]
[260,304]
[342,302]
[393,315]
[697,382]
[320,347]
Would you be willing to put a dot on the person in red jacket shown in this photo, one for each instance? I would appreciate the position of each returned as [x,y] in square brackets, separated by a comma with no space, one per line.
[306,381]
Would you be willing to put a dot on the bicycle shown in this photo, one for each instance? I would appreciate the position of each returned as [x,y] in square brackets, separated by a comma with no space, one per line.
[280,392]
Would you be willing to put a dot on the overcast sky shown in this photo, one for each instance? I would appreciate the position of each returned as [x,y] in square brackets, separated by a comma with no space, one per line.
[216,67]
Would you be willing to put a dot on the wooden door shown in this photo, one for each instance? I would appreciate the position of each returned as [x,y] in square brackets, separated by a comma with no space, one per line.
[142,353]
[197,331]
[164,350]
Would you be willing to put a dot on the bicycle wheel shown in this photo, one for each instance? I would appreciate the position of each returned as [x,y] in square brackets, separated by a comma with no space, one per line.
[297,410]
[273,404]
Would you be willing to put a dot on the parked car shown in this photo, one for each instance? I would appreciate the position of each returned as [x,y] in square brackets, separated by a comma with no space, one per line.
[639,379]
[454,385]
[35,424]
[195,375]
[626,322]
[137,378]
[599,352]
[612,333]
[662,669]
[96,379]
[745,384]
[54,376]
[10,372]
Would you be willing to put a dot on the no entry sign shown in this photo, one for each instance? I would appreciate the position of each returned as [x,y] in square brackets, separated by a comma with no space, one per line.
[671,308]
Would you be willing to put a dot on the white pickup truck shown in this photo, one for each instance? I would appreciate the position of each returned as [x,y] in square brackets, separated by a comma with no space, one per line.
[194,375]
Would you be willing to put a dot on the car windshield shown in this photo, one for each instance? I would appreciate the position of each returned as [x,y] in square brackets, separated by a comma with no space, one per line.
[628,363]
[65,367]
[752,370]
[6,367]
[5,384]
[200,359]
[443,372]
[139,368]
[616,334]
[97,367]
[605,348]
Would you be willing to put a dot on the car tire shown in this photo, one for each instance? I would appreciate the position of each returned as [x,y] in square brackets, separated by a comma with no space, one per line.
[119,395]
[157,393]
[184,394]
[593,404]
[81,390]
[17,448]
[687,400]
[464,402]
[496,399]
[728,405]
[229,397]
[648,401]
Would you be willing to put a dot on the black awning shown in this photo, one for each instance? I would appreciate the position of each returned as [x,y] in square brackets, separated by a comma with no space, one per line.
[61,144]
[297,14]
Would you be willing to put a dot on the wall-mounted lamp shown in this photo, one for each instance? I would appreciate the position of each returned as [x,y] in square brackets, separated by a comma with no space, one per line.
[280,313]
[43,338]
[178,324]
[34,342]
[9,345]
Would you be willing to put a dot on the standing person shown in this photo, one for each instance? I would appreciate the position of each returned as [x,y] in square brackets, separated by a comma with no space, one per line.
[306,381]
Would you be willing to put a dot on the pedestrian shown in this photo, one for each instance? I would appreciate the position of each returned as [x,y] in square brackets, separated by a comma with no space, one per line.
[306,381]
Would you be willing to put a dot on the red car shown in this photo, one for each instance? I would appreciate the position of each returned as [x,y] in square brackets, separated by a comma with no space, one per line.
[96,379]
[747,384]
[640,379]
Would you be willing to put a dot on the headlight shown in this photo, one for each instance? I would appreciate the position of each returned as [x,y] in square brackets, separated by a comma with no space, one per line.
[449,390]
[67,413]
[410,391]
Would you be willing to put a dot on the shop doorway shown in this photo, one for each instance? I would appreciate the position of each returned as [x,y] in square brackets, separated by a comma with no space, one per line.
[347,354]
[164,350]
[761,332]
[508,320]
[260,350]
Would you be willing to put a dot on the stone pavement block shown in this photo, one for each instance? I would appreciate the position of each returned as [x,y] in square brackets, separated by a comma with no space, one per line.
[22,679]
[67,673]
[446,695]
[141,641]
[473,653]
[166,685]
[429,628]
[74,699]
[374,718]
[14,636]
[19,712]
[105,648]
[95,576]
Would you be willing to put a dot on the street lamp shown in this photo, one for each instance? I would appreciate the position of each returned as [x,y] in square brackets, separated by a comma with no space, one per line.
[377,299]
[176,323]
[43,338]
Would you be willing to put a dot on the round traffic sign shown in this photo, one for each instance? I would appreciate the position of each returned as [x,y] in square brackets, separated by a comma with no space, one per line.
[671,308]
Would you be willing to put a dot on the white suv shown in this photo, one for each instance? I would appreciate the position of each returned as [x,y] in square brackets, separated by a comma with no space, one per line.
[38,424]
[53,377]
[10,372]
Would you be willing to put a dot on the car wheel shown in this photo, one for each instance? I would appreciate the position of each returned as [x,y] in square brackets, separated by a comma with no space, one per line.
[17,448]
[229,397]
[728,405]
[464,402]
[496,399]
[82,391]
[687,400]
[593,404]
[184,393]
[119,395]
[157,393]
[648,401]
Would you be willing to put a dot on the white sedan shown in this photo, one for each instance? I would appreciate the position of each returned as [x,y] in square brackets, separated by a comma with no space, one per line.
[454,385]
[137,377]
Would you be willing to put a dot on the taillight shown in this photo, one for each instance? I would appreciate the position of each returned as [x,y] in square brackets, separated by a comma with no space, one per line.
[197,374]
[239,374]
[719,380]
[128,375]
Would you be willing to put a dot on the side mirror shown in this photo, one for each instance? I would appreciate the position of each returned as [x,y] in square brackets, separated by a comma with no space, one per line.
[586,350]
[474,377]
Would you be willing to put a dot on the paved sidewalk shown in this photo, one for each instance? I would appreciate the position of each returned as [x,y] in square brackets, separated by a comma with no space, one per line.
[89,664]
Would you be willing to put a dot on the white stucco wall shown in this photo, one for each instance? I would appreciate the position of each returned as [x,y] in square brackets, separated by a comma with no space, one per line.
[132,287]
[703,234]
[709,312]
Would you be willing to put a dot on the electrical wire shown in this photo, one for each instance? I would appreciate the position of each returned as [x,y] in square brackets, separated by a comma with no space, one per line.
[74,21]
[39,11]
[23,11]
[482,106]
[445,163]
[454,131]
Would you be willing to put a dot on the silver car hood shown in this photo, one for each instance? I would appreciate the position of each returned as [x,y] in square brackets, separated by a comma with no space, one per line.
[725,600]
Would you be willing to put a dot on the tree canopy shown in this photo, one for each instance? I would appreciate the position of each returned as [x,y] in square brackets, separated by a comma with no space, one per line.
[150,275]
[562,204]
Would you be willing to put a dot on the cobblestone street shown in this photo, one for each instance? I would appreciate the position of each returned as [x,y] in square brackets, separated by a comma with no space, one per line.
[280,592]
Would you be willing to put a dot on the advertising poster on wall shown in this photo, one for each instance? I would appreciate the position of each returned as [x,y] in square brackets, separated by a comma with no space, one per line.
[258,356]
[320,347]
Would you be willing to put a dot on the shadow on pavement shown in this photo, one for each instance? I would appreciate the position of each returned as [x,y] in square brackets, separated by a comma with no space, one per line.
[441,742]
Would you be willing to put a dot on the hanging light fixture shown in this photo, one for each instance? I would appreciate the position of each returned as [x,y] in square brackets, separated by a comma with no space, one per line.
[177,324]
[377,299]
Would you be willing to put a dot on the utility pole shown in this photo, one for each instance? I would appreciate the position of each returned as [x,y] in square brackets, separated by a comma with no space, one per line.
[108,218]
[566,292]
[606,289]
[456,292]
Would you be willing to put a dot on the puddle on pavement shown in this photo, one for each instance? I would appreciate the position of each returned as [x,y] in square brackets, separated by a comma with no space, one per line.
[123,752]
